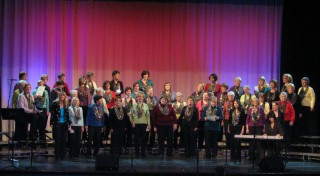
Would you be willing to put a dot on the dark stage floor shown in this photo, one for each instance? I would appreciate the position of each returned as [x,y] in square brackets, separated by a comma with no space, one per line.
[151,164]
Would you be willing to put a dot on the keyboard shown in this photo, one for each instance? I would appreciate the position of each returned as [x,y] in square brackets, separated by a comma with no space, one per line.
[259,137]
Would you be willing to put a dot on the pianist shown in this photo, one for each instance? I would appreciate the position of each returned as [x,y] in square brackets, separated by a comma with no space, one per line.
[272,128]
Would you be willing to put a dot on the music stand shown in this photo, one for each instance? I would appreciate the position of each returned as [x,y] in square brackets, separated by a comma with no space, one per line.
[11,114]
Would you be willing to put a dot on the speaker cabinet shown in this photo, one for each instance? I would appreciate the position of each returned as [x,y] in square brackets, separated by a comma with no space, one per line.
[272,164]
[107,162]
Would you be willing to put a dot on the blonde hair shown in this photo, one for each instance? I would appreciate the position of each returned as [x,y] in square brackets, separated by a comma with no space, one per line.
[74,99]
[287,75]
[65,102]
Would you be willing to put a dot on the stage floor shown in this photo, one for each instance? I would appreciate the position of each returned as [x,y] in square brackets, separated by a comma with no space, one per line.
[151,164]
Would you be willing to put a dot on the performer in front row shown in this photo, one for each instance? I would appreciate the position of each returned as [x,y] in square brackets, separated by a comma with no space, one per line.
[77,127]
[60,121]
[118,125]
[94,124]
[140,120]
[165,123]
[151,101]
[254,126]
[26,101]
[236,126]
[177,106]
[212,115]
[189,122]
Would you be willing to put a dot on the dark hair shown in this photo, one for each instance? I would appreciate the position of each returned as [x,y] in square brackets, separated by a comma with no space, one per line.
[225,85]
[239,103]
[215,77]
[276,102]
[274,81]
[80,80]
[96,98]
[26,85]
[104,85]
[134,84]
[117,98]
[145,72]
[43,76]
[60,75]
[21,74]
[114,72]
[127,88]
[59,82]
[271,114]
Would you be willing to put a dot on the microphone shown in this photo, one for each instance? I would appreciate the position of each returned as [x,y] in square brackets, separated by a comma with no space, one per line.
[12,79]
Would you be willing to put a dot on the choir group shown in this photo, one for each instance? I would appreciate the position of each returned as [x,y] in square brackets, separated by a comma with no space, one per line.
[86,115]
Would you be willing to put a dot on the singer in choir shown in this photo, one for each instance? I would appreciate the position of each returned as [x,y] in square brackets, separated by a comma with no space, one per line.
[94,124]
[165,123]
[197,95]
[254,126]
[26,101]
[145,81]
[77,127]
[177,106]
[140,120]
[213,86]
[237,88]
[212,115]
[189,123]
[60,120]
[118,125]
[167,92]
[65,88]
[151,101]
[42,104]
[237,123]
[91,84]
[116,85]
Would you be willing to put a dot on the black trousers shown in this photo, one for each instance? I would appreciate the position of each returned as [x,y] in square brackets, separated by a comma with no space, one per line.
[165,133]
[85,111]
[75,141]
[235,144]
[287,132]
[117,141]
[201,134]
[60,140]
[255,145]
[128,135]
[42,124]
[305,122]
[211,143]
[94,138]
[21,130]
[140,138]
[176,135]
[190,142]
[151,134]
[227,135]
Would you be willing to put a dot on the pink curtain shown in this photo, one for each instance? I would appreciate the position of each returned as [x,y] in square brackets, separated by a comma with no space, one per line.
[182,43]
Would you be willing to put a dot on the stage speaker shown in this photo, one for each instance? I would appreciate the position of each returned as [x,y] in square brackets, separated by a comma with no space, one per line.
[107,162]
[272,164]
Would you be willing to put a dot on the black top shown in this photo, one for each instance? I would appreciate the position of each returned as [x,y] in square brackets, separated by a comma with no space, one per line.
[55,113]
[189,121]
[118,123]
[113,86]
[237,122]
[273,131]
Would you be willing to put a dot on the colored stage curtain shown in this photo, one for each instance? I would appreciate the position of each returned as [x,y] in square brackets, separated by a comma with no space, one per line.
[179,42]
